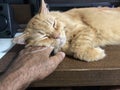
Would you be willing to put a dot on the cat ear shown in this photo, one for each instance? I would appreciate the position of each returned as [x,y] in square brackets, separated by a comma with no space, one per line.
[43,9]
[19,39]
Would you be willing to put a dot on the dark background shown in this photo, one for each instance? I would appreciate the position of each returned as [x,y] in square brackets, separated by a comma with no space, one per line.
[23,10]
[32,6]
[64,4]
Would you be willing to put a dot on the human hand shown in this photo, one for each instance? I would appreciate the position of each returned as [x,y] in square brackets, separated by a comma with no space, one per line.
[33,63]
[39,62]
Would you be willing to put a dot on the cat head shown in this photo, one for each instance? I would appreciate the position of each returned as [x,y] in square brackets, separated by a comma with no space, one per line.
[42,30]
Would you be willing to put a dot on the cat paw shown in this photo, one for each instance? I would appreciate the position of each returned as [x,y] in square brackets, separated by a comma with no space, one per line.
[93,54]
[96,54]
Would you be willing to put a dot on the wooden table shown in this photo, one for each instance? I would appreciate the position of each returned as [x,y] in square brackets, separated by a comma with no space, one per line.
[72,72]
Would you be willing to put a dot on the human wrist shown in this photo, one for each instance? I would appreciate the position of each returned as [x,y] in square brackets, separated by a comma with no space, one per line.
[15,81]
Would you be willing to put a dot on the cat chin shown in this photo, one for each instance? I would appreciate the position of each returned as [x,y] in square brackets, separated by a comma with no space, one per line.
[62,41]
[59,43]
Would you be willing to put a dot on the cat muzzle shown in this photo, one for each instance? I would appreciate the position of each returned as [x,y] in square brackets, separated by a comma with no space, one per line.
[56,35]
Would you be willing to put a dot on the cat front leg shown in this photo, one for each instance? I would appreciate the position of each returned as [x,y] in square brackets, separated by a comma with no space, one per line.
[83,47]
[89,54]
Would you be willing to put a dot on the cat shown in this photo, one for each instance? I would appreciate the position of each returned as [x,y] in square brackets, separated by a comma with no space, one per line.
[79,32]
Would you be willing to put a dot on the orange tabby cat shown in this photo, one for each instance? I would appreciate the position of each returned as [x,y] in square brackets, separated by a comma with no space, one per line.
[78,32]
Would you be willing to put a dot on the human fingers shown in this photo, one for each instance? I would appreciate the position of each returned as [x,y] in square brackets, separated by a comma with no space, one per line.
[36,49]
[50,65]
[57,58]
[24,50]
[44,51]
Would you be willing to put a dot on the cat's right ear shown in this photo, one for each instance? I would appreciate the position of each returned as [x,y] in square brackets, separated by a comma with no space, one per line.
[43,9]
[20,39]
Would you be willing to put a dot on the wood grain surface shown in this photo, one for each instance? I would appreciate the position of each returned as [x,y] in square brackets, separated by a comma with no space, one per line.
[72,72]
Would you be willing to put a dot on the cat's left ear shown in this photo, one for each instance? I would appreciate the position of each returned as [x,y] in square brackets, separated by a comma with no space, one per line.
[20,39]
[43,9]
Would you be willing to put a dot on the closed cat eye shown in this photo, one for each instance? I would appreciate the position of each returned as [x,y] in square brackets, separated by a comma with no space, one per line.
[54,24]
[41,32]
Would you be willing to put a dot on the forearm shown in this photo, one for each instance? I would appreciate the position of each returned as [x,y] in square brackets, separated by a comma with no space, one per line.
[32,64]
[16,80]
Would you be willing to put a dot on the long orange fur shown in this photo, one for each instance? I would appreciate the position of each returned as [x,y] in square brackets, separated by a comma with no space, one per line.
[78,32]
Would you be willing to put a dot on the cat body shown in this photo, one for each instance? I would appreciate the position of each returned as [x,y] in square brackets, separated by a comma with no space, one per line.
[89,28]
[78,32]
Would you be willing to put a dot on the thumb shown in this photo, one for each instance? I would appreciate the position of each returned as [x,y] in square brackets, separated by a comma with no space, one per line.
[57,58]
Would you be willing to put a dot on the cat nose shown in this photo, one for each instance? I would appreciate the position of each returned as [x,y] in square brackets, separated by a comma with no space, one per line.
[56,35]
